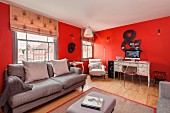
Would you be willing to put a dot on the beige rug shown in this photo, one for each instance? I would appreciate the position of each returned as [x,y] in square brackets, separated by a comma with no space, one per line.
[122,105]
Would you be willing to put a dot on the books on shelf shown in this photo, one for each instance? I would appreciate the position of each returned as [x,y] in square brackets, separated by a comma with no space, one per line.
[92,102]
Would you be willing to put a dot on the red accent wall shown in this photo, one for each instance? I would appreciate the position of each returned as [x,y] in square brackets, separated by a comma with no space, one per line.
[155,48]
[5,40]
[64,39]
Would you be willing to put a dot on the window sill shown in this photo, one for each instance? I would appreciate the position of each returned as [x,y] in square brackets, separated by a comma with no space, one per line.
[85,59]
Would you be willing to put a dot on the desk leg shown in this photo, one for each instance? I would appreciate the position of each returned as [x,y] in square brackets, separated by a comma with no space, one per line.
[148,81]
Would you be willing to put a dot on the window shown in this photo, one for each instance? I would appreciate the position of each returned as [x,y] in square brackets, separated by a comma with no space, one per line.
[30,47]
[87,50]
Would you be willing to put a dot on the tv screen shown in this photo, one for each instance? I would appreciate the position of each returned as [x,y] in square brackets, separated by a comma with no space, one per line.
[132,54]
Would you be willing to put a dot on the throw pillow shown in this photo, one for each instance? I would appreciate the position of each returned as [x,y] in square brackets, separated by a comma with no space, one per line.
[96,65]
[60,67]
[35,71]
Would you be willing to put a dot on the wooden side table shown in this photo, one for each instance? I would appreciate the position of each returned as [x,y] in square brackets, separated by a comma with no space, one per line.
[159,76]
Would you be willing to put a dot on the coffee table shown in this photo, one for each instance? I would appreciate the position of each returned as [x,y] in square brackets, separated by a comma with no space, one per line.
[108,105]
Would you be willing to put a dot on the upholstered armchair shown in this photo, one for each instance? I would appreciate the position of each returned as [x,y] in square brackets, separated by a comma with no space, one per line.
[96,68]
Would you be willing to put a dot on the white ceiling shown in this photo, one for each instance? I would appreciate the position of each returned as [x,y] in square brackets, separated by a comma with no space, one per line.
[98,14]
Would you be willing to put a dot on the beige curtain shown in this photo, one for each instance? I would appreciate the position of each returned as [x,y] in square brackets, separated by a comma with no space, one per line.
[30,22]
[89,39]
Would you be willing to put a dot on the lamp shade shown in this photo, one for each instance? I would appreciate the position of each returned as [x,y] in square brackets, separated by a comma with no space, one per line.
[88,32]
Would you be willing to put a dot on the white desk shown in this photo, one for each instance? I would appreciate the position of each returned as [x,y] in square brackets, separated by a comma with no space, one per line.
[78,63]
[143,67]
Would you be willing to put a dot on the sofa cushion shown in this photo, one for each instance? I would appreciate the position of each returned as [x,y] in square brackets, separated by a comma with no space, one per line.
[35,71]
[60,67]
[50,69]
[163,105]
[69,80]
[40,89]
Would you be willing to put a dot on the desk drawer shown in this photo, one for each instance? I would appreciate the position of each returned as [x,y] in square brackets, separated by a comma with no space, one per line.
[129,64]
[118,63]
[143,65]
[133,64]
[118,68]
[143,71]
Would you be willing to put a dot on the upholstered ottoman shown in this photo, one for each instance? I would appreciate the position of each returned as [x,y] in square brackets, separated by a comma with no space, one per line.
[108,105]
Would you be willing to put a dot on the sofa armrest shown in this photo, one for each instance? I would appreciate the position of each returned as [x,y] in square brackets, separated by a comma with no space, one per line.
[13,86]
[164,89]
[76,70]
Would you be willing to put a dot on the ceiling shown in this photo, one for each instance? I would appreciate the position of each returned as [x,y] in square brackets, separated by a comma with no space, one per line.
[98,14]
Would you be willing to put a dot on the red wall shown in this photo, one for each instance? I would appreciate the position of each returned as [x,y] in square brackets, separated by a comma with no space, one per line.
[5,40]
[155,48]
[64,39]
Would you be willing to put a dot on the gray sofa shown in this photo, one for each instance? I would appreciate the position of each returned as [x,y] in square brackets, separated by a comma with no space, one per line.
[163,105]
[43,90]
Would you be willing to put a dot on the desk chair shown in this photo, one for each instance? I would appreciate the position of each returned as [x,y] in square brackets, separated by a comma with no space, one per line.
[129,70]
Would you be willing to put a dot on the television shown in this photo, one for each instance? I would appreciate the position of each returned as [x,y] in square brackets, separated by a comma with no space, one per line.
[132,54]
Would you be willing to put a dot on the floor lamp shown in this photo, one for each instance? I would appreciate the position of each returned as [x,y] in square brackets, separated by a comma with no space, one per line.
[89,34]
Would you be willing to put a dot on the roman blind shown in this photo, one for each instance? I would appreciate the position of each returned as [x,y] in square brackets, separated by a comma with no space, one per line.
[30,22]
[89,39]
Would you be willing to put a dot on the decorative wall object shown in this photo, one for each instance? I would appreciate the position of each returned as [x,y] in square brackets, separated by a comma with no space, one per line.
[128,36]
[89,39]
[27,21]
[71,47]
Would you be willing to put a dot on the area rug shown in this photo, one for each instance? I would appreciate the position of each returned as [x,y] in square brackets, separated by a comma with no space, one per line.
[123,105]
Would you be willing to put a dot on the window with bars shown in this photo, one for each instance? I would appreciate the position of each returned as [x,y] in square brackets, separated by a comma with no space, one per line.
[31,47]
[87,50]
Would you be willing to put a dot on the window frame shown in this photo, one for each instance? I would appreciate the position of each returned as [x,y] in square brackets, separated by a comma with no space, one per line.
[15,46]
[86,59]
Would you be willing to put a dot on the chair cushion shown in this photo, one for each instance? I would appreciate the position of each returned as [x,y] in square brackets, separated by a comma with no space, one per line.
[69,80]
[97,72]
[40,89]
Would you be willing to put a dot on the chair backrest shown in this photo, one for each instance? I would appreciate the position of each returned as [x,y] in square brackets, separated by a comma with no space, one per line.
[129,69]
[95,64]
[94,60]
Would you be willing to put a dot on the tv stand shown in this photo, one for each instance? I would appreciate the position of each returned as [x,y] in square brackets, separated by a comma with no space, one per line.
[143,67]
